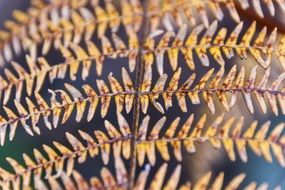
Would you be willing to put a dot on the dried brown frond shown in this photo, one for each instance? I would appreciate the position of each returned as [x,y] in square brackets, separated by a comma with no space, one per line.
[148,34]
[219,133]
[40,68]
[213,42]
[70,21]
[260,48]
[224,86]
[119,182]
[62,110]
[56,159]
[17,34]
[117,142]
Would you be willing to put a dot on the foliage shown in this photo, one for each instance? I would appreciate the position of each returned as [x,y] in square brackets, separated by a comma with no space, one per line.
[176,54]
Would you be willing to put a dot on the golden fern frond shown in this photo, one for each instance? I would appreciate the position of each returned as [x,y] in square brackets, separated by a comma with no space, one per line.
[161,180]
[87,33]
[220,132]
[78,21]
[123,95]
[40,68]
[62,158]
[73,182]
[225,86]
[213,42]
[189,9]
[110,181]
[35,77]
[204,182]
[85,23]
[260,49]
[75,24]
[33,22]
[216,133]
[114,50]
[257,5]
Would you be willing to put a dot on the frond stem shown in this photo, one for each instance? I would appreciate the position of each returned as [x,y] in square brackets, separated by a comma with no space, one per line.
[209,138]
[67,156]
[116,53]
[197,91]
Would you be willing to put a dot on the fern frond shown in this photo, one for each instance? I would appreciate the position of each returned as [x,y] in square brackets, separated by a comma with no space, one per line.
[160,180]
[218,183]
[110,181]
[123,94]
[260,49]
[36,27]
[204,182]
[87,32]
[75,24]
[257,5]
[214,42]
[85,23]
[124,97]
[35,77]
[220,132]
[223,85]
[216,133]
[61,158]
[40,68]
[16,35]
[72,182]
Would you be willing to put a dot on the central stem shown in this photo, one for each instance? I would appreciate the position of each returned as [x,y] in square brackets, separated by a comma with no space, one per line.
[136,113]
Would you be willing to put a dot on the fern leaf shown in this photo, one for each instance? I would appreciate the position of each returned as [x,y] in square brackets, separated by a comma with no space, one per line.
[221,84]
[57,111]
[124,97]
[39,69]
[235,183]
[160,181]
[61,158]
[79,21]
[26,27]
[34,79]
[217,134]
[261,48]
[76,181]
[87,34]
